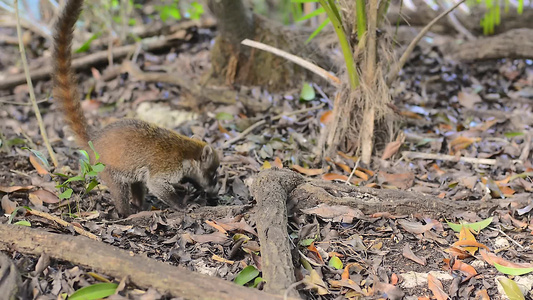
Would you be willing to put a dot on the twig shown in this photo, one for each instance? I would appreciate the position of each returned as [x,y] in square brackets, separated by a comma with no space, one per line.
[353,171]
[295,59]
[505,234]
[30,88]
[403,59]
[472,160]
[19,103]
[64,223]
[261,122]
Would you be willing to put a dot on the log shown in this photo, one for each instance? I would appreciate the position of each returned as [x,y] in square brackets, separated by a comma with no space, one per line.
[271,189]
[141,271]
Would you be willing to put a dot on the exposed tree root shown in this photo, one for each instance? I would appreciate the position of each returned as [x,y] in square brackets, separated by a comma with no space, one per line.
[140,270]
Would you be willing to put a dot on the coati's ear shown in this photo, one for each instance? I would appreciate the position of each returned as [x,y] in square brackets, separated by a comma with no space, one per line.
[196,137]
[207,153]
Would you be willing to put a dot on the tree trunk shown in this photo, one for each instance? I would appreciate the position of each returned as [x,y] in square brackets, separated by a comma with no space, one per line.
[233,63]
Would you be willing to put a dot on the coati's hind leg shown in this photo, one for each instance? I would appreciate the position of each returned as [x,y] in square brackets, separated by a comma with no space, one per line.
[138,192]
[165,191]
[120,192]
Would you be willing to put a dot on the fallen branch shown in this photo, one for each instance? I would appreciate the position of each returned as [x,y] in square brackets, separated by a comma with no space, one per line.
[472,160]
[262,122]
[64,223]
[141,270]
[88,60]
[334,80]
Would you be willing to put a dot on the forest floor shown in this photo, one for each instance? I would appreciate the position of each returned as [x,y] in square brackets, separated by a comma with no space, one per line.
[447,110]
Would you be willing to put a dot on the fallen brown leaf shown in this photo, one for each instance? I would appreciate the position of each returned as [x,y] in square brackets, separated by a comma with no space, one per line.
[41,170]
[391,149]
[436,287]
[400,180]
[306,171]
[408,253]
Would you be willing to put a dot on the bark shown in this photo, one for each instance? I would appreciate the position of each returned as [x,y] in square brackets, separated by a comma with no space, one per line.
[140,270]
[271,189]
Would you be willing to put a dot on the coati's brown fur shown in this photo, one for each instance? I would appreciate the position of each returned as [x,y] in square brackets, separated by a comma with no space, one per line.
[135,153]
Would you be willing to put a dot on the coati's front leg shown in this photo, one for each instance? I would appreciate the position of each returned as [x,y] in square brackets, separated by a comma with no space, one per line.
[120,192]
[138,193]
[165,191]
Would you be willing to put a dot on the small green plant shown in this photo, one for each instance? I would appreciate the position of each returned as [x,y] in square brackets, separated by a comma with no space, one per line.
[88,174]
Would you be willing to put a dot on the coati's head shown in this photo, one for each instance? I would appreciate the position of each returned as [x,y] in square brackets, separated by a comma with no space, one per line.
[205,171]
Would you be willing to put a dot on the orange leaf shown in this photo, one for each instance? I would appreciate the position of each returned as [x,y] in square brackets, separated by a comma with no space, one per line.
[346,156]
[410,115]
[458,252]
[361,175]
[492,258]
[326,117]
[482,295]
[333,176]
[313,249]
[306,171]
[458,265]
[470,243]
[222,129]
[37,165]
[394,279]
[277,163]
[442,195]
[216,226]
[368,172]
[437,169]
[436,287]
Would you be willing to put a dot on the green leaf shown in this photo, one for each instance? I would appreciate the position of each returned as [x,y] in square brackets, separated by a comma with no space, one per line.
[317,30]
[513,134]
[167,11]
[306,242]
[96,155]
[246,275]
[477,226]
[224,116]
[66,194]
[91,185]
[84,154]
[257,281]
[308,92]
[336,263]
[511,289]
[75,178]
[511,270]
[98,167]
[195,11]
[312,14]
[87,45]
[23,223]
[94,292]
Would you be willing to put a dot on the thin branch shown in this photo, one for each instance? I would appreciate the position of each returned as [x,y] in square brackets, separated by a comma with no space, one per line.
[403,59]
[30,89]
[436,156]
[63,223]
[261,122]
[295,59]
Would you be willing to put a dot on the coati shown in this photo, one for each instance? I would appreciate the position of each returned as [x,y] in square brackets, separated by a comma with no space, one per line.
[135,153]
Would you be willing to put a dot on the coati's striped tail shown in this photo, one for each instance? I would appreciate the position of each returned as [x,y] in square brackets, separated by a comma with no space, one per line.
[65,82]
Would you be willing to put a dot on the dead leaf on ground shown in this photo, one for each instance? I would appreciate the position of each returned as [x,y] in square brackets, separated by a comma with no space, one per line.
[314,282]
[231,225]
[7,205]
[468,100]
[415,227]
[492,258]
[306,171]
[458,265]
[326,117]
[436,287]
[16,188]
[44,196]
[399,180]
[391,291]
[41,170]
[277,163]
[215,237]
[408,253]
[337,213]
[391,149]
